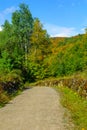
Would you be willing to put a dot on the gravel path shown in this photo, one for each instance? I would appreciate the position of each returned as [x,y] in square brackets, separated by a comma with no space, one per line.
[35,109]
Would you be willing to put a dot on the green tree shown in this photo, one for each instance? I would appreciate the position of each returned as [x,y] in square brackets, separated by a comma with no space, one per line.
[5,34]
[22,22]
[5,63]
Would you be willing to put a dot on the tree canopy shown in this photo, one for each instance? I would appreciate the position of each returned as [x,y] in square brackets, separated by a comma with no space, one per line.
[26,46]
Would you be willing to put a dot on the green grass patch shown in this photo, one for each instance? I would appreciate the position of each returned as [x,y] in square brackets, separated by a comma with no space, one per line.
[77,106]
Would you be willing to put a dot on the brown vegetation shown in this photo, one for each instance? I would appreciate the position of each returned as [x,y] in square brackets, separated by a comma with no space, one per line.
[77,84]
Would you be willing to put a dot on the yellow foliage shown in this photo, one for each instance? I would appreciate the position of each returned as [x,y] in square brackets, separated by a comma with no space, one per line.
[83,129]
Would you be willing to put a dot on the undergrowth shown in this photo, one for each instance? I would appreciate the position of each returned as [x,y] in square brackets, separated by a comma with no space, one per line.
[76,105]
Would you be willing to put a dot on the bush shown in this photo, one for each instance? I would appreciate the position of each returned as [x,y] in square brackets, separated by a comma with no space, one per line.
[12,82]
[3,97]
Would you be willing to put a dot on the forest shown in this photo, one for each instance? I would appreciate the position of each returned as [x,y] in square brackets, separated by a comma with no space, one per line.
[29,54]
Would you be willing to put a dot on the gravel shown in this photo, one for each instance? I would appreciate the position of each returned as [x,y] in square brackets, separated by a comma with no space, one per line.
[37,108]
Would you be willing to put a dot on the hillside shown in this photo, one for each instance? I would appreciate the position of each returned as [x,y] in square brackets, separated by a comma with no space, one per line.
[29,54]
[69,55]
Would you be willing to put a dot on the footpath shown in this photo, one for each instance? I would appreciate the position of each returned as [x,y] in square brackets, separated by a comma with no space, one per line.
[37,108]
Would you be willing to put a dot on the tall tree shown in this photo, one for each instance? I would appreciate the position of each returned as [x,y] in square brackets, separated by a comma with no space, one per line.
[39,40]
[22,22]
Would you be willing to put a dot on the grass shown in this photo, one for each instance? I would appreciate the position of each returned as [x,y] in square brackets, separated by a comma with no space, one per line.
[5,98]
[76,105]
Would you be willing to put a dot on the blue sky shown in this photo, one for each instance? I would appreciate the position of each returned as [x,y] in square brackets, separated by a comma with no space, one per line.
[59,17]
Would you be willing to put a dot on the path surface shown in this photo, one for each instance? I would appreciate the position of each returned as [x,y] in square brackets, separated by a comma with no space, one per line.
[35,109]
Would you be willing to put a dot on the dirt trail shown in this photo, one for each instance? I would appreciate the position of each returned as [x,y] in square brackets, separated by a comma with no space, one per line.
[35,109]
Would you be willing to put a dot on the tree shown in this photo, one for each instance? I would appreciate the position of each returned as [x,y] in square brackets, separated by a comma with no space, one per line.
[22,22]
[5,34]
[39,40]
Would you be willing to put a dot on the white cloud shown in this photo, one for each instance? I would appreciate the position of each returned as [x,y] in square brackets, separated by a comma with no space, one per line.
[9,10]
[83,30]
[54,31]
[0,28]
[6,13]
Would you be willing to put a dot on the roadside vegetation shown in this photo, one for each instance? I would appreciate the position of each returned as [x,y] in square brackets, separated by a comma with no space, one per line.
[76,105]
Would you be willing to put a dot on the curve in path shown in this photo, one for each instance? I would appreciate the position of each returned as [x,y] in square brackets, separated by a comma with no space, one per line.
[35,109]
